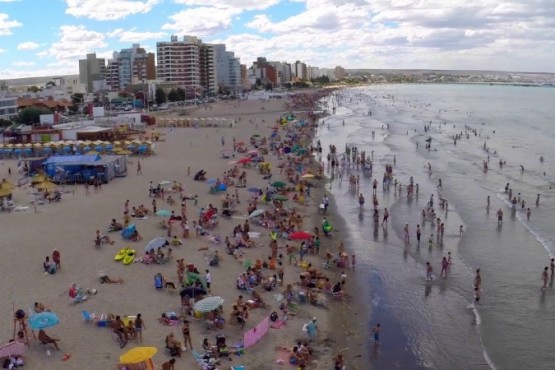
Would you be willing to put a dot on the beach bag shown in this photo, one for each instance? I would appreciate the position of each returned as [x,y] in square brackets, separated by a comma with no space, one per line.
[305,328]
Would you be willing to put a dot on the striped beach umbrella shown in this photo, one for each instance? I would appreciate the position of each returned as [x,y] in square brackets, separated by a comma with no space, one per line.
[209,304]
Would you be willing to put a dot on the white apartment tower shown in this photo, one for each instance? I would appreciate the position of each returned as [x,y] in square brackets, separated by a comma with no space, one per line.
[178,62]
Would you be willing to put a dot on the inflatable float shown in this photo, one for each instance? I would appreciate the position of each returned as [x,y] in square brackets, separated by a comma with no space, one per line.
[121,254]
[129,257]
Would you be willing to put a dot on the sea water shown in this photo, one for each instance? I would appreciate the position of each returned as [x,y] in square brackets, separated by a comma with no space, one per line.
[437,326]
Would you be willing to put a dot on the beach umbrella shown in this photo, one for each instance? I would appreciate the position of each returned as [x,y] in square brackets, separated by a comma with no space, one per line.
[307,176]
[43,320]
[19,145]
[67,149]
[99,148]
[254,151]
[165,182]
[37,145]
[256,213]
[109,147]
[28,145]
[209,304]
[192,291]
[231,163]
[5,192]
[27,150]
[211,181]
[163,213]
[156,243]
[86,148]
[131,147]
[47,149]
[12,349]
[300,235]
[143,148]
[138,355]
[17,151]
[244,160]
[278,184]
[46,185]
[281,198]
[253,190]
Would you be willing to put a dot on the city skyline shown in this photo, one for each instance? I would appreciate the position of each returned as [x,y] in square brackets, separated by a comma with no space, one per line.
[481,35]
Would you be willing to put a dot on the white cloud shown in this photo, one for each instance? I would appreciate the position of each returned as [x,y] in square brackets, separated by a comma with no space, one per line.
[9,1]
[6,24]
[2,51]
[23,64]
[133,35]
[108,10]
[236,4]
[201,21]
[28,45]
[73,44]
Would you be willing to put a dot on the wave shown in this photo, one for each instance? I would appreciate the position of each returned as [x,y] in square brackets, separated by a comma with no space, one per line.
[546,244]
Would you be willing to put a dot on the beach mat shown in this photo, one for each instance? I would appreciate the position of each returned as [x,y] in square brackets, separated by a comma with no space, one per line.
[278,324]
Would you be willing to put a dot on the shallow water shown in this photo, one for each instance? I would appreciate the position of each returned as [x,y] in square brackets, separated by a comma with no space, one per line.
[434,325]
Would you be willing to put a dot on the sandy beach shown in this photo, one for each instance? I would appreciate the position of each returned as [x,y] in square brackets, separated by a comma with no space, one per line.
[70,225]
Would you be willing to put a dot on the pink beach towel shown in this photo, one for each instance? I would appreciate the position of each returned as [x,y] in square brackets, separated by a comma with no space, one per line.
[278,324]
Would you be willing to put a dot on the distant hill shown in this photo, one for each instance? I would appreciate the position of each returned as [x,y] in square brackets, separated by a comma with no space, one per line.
[29,81]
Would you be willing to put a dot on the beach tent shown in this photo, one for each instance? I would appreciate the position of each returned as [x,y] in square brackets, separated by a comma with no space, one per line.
[46,185]
[127,232]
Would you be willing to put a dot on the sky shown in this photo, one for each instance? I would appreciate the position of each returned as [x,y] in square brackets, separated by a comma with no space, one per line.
[48,37]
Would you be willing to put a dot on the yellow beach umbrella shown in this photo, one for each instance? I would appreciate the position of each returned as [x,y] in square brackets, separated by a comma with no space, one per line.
[138,355]
[124,152]
[6,184]
[127,142]
[19,145]
[5,192]
[28,145]
[92,152]
[37,145]
[46,185]
[37,179]
[117,142]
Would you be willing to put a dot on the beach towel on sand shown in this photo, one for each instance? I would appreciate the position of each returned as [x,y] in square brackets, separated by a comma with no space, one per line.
[278,324]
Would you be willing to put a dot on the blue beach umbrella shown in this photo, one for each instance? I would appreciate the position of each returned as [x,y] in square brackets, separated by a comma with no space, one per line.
[211,181]
[143,148]
[67,149]
[43,320]
[47,149]
[156,243]
[109,147]
[99,148]
[86,149]
[27,150]
[163,213]
[131,147]
[17,151]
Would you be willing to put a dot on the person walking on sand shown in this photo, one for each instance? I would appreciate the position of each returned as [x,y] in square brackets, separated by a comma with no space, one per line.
[354,261]
[186,331]
[545,277]
[376,333]
[139,327]
[488,203]
[418,234]
[538,200]
[139,168]
[407,237]
[552,265]
[528,214]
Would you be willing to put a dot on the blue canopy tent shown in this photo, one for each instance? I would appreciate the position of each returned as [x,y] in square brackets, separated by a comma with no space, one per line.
[128,232]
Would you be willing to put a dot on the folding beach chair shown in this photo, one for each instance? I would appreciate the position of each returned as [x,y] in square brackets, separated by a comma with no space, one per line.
[87,316]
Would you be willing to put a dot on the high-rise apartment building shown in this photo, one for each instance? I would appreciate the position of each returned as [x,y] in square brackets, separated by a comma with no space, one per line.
[91,70]
[299,70]
[130,66]
[178,62]
[208,73]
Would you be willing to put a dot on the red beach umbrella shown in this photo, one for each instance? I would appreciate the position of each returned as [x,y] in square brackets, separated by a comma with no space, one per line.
[300,235]
[244,160]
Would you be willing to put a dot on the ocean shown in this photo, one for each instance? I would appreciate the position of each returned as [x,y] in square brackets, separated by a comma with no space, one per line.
[437,325]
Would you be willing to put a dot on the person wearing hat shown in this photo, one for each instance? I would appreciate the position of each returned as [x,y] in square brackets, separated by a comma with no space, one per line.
[312,329]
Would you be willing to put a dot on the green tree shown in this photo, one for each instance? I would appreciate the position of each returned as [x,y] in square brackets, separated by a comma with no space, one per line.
[31,115]
[34,89]
[5,122]
[180,94]
[160,97]
[173,96]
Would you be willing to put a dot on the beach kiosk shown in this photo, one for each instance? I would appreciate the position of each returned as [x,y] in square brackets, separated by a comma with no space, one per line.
[81,168]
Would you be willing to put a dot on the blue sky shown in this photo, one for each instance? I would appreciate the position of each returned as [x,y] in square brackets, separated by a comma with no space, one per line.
[47,37]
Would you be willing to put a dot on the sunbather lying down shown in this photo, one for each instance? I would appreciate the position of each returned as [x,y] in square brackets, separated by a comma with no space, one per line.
[105,279]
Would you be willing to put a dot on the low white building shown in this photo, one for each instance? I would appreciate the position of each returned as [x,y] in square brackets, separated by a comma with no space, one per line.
[8,107]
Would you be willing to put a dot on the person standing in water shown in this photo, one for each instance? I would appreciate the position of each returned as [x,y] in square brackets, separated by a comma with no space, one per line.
[538,200]
[528,213]
[376,333]
[418,233]
[429,271]
[444,266]
[477,280]
[545,277]
[488,203]
[499,217]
